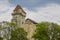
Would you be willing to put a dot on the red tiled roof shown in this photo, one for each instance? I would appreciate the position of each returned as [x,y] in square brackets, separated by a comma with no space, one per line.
[17,8]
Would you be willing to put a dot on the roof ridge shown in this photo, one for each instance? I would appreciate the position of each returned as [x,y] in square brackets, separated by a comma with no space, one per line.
[31,20]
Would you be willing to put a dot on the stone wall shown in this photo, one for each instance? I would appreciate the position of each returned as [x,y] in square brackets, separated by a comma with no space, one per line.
[30,29]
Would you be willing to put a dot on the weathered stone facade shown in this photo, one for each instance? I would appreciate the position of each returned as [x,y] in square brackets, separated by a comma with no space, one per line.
[30,28]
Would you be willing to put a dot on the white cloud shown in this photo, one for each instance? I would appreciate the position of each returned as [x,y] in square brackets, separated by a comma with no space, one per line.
[5,10]
[50,13]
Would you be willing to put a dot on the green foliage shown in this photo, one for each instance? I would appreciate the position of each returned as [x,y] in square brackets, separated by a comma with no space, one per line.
[18,34]
[47,31]
[11,24]
[1,38]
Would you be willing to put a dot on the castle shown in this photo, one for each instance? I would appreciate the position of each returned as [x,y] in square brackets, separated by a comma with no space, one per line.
[18,16]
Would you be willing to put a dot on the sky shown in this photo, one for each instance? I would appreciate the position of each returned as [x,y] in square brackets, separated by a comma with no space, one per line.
[37,10]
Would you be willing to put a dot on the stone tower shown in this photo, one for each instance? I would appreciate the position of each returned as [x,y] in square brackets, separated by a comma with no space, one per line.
[18,16]
[27,24]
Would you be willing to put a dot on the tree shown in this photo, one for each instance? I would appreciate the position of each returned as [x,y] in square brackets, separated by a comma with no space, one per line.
[55,32]
[18,34]
[12,25]
[47,31]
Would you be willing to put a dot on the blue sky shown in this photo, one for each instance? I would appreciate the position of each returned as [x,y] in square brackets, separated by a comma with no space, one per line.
[37,10]
[30,4]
